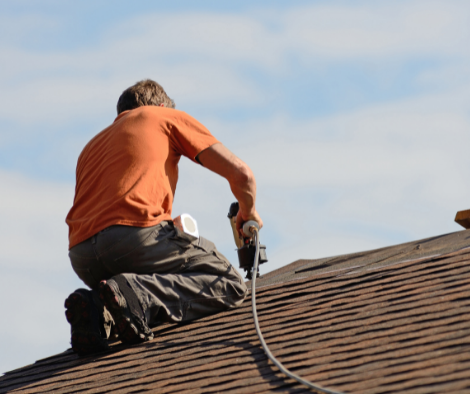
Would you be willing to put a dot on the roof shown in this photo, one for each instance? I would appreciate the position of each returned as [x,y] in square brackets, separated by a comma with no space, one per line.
[391,320]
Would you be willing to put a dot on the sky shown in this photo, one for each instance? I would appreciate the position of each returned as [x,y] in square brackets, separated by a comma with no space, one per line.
[354,117]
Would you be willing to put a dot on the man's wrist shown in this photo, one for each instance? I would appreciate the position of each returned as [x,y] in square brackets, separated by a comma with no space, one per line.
[248,214]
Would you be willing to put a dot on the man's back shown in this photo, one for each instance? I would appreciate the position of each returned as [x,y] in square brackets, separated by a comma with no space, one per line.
[127,174]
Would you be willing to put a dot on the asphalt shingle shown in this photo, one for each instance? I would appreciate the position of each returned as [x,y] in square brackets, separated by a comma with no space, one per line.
[391,320]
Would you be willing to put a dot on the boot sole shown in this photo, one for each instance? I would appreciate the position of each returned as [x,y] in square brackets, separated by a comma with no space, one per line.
[86,336]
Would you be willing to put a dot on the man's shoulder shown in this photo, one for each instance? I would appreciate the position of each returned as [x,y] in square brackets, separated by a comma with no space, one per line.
[168,118]
[160,112]
[163,118]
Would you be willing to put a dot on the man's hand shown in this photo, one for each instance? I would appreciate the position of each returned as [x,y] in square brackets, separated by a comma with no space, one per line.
[242,218]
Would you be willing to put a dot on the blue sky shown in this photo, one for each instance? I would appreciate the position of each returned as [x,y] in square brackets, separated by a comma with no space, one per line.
[354,117]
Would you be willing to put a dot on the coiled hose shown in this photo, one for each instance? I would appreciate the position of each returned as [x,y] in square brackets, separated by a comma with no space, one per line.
[281,367]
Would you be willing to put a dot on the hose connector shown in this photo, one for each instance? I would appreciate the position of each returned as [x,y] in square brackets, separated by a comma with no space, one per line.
[248,230]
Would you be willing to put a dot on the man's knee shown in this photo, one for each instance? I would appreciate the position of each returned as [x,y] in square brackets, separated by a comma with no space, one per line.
[236,293]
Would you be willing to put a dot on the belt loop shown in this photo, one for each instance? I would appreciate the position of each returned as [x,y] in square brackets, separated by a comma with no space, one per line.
[93,239]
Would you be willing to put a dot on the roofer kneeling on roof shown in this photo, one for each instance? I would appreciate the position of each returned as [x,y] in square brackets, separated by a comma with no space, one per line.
[123,244]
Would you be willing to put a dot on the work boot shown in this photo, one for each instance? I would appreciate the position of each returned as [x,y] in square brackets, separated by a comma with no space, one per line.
[125,308]
[90,322]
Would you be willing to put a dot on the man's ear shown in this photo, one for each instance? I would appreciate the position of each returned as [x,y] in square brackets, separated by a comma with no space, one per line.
[162,105]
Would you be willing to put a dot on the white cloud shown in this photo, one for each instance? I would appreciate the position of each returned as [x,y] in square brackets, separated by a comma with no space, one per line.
[36,273]
[18,28]
[397,140]
[59,99]
[329,31]
[35,325]
[204,57]
[392,171]
[33,230]
[381,29]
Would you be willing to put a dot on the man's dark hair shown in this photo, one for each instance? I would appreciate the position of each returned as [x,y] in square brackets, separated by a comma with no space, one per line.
[146,92]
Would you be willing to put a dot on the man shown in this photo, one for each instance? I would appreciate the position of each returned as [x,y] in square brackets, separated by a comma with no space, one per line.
[141,269]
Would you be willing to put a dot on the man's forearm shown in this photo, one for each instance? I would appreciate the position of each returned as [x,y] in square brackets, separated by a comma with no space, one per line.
[220,160]
[243,186]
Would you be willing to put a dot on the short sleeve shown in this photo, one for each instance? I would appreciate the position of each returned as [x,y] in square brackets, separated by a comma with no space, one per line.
[190,137]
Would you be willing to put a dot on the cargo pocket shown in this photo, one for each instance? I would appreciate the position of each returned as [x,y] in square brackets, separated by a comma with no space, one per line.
[205,258]
[206,245]
[183,240]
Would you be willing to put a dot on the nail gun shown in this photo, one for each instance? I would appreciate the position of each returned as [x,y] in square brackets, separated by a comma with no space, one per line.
[246,249]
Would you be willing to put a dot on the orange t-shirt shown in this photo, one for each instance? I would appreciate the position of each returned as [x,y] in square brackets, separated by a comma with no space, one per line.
[127,174]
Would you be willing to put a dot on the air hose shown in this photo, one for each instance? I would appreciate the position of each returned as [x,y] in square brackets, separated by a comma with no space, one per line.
[277,363]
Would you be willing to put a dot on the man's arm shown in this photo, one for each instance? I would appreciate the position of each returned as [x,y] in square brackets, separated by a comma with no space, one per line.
[220,160]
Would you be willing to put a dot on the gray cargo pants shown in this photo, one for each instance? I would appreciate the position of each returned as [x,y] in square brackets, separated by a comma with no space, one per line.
[175,276]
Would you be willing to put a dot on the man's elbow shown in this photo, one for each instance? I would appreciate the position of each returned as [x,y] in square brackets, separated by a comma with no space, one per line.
[244,175]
